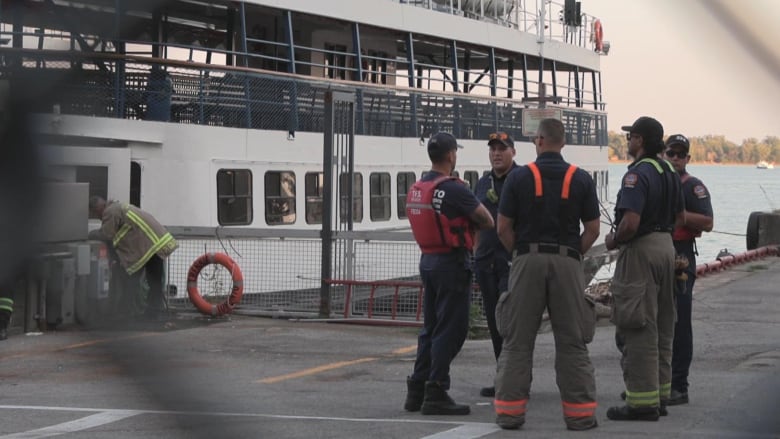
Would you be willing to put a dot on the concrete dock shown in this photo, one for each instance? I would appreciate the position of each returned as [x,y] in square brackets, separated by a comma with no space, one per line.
[248,377]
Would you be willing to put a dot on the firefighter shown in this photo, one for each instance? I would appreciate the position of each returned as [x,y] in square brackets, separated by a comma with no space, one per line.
[542,206]
[141,244]
[698,218]
[442,212]
[649,204]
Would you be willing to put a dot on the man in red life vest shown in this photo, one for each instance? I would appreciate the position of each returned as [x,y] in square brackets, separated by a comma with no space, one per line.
[443,213]
[698,218]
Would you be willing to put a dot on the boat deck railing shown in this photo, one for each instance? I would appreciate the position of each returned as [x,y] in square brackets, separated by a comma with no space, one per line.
[523,15]
[136,87]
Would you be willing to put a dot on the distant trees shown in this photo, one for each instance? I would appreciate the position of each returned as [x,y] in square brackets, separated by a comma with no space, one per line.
[712,149]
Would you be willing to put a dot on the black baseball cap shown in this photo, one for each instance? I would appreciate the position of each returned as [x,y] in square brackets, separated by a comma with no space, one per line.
[502,138]
[442,142]
[647,127]
[678,140]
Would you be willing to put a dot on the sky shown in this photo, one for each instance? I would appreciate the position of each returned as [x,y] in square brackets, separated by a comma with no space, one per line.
[676,61]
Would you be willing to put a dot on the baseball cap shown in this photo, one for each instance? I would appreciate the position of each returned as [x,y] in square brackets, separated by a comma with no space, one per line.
[442,142]
[502,138]
[647,127]
[678,140]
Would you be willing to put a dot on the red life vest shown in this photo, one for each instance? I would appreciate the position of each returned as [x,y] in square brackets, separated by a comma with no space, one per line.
[434,232]
[683,233]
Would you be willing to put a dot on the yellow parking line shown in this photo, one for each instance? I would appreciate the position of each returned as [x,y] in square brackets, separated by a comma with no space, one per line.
[331,366]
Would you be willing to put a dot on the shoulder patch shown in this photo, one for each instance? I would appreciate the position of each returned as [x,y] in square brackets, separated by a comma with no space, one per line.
[630,180]
[700,191]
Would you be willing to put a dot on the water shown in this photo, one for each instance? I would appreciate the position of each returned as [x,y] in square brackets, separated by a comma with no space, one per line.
[736,191]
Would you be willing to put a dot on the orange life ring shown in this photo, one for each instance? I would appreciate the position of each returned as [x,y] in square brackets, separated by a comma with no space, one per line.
[598,35]
[236,291]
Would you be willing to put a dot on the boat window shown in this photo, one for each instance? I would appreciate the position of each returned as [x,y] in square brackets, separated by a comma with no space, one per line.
[357,197]
[379,189]
[335,61]
[234,197]
[405,181]
[314,190]
[279,197]
[135,184]
[471,177]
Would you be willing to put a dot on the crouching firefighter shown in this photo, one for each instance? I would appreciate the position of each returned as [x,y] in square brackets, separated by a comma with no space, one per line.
[443,213]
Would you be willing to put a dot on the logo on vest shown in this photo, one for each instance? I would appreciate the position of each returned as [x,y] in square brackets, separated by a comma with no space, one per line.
[700,191]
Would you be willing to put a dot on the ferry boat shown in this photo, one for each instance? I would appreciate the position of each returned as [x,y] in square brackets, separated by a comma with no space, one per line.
[248,114]
[763,164]
[210,113]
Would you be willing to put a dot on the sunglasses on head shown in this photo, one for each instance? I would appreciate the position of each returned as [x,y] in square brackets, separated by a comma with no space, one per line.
[499,136]
[679,154]
[630,136]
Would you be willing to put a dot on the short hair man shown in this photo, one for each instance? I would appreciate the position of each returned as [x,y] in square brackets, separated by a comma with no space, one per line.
[542,206]
[698,218]
[442,212]
[648,205]
[140,241]
[491,259]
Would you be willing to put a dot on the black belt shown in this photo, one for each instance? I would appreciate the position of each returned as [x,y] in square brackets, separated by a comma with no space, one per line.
[555,249]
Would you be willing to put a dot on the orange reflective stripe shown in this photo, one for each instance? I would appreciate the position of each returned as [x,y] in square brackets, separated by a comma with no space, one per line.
[537,178]
[582,410]
[567,182]
[510,407]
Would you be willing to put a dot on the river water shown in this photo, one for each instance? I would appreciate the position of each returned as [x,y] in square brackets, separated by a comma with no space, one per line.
[736,190]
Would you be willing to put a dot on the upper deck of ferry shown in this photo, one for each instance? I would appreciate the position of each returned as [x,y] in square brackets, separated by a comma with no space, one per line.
[466,66]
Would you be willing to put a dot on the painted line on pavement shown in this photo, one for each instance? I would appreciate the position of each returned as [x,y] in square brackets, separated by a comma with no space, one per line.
[92,421]
[331,366]
[467,431]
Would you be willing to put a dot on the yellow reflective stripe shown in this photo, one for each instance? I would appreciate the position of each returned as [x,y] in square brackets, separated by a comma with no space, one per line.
[121,234]
[642,399]
[666,390]
[6,304]
[165,240]
[132,216]
[654,163]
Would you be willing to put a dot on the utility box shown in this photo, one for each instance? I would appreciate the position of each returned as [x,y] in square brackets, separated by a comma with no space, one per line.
[64,210]
[60,290]
[92,297]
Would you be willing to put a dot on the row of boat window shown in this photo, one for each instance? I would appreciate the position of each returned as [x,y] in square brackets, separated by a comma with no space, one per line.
[235,197]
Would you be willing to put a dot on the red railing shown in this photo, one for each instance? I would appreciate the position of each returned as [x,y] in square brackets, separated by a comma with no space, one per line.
[725,262]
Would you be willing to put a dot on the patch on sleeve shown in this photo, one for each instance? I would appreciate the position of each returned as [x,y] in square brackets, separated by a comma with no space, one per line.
[630,180]
[700,191]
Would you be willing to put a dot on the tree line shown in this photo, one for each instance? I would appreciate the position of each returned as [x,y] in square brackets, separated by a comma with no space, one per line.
[712,149]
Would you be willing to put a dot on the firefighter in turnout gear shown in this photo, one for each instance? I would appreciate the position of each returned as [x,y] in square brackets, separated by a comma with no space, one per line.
[698,218]
[542,206]
[442,213]
[140,241]
[648,206]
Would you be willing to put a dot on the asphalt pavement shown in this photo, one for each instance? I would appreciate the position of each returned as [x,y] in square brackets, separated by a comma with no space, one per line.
[250,377]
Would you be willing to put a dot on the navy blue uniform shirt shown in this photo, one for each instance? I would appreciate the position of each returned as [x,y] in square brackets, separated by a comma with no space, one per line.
[655,196]
[540,222]
[697,197]
[489,244]
[456,201]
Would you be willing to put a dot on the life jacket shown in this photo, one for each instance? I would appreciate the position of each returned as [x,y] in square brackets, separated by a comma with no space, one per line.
[563,209]
[683,233]
[433,231]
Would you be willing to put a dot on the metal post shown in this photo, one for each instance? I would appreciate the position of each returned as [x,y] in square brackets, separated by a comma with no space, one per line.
[327,206]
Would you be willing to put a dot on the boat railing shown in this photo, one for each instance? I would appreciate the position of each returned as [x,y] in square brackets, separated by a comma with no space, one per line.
[137,87]
[523,15]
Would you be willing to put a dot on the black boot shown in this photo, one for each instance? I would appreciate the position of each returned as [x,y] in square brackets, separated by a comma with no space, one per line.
[488,392]
[438,402]
[628,413]
[415,393]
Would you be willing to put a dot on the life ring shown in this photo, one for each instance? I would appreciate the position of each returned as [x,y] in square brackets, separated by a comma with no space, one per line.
[598,35]
[236,291]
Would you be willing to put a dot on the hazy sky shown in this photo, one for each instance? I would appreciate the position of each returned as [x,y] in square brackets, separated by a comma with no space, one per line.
[676,61]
